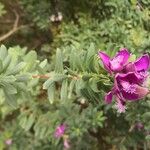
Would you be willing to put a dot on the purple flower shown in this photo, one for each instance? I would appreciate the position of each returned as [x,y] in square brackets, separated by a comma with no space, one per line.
[129,88]
[108,97]
[8,142]
[126,88]
[117,63]
[60,130]
[140,66]
[130,78]
[143,63]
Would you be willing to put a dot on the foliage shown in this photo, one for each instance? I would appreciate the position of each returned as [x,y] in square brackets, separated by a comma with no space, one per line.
[37,96]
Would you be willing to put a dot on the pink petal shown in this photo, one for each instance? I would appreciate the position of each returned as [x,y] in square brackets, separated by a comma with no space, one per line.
[143,63]
[128,86]
[8,141]
[130,67]
[118,62]
[131,77]
[140,92]
[124,52]
[108,97]
[105,59]
[60,131]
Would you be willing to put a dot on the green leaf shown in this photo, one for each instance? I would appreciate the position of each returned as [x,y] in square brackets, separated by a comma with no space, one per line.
[10,88]
[3,52]
[6,62]
[148,137]
[59,62]
[80,84]
[30,59]
[71,87]
[54,78]
[11,99]
[8,79]
[72,60]
[16,69]
[146,116]
[43,132]
[43,63]
[1,66]
[64,90]
[93,84]
[132,58]
[90,54]
[51,93]
[21,86]
[29,122]
[22,77]
[48,83]
[86,76]
[22,121]
[7,84]
[71,72]
[79,62]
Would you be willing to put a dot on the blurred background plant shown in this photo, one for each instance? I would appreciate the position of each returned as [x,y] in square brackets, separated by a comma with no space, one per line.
[37,94]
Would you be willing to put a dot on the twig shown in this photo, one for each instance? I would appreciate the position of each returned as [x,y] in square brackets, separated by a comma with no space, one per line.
[14,29]
[140,6]
[129,131]
[41,76]
[6,22]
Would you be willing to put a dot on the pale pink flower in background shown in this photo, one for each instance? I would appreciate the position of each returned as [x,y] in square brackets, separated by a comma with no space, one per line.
[60,130]
[139,126]
[66,143]
[8,142]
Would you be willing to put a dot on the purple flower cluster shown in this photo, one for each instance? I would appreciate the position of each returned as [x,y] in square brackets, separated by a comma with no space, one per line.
[60,132]
[129,77]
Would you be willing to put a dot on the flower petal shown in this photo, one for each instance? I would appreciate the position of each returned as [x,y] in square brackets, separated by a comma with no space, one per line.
[124,52]
[130,67]
[128,86]
[140,93]
[108,97]
[130,96]
[60,131]
[130,77]
[105,59]
[143,63]
[118,62]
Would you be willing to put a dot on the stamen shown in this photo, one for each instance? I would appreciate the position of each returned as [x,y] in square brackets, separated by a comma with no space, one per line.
[121,108]
[129,88]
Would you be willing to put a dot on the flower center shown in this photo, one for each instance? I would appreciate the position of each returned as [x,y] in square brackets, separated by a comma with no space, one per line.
[129,88]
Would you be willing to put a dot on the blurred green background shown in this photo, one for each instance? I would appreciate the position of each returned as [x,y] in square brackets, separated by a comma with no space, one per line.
[45,25]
